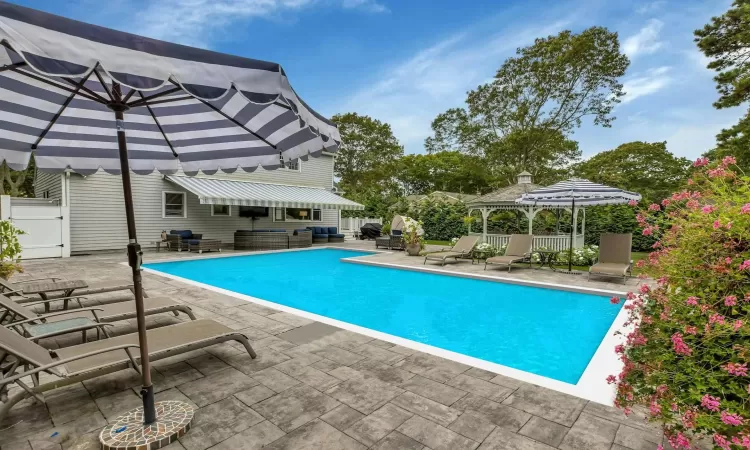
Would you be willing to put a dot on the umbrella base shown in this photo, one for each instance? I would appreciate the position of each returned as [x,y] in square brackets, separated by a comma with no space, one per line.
[173,420]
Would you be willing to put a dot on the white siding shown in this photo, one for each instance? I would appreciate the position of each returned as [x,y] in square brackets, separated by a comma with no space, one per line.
[51,182]
[98,211]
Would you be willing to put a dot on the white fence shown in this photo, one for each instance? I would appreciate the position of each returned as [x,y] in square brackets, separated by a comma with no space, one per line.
[561,242]
[351,224]
[45,222]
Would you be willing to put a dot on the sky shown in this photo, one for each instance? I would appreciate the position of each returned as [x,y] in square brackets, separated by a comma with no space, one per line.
[406,61]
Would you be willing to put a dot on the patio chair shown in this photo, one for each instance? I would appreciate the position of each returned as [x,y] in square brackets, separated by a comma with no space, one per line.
[614,256]
[179,240]
[21,358]
[517,251]
[37,326]
[43,287]
[462,249]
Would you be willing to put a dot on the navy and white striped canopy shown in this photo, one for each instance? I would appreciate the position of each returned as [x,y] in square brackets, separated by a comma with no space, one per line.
[583,192]
[189,108]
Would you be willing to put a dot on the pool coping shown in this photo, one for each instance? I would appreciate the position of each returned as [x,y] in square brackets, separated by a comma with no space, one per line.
[592,384]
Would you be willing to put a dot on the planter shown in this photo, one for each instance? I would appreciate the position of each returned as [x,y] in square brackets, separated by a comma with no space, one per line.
[413,249]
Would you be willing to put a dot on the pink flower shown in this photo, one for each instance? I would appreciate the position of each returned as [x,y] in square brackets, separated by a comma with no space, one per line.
[737,325]
[654,409]
[611,379]
[730,300]
[708,209]
[648,231]
[736,369]
[692,204]
[654,207]
[619,348]
[614,300]
[745,208]
[680,347]
[717,224]
[716,318]
[729,225]
[730,419]
[728,160]
[700,162]
[644,289]
[692,301]
[691,330]
[721,441]
[745,265]
[679,441]
[710,403]
[728,260]
[633,203]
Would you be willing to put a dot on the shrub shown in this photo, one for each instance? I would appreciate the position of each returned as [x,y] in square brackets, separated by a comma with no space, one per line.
[10,249]
[687,355]
[441,220]
[585,256]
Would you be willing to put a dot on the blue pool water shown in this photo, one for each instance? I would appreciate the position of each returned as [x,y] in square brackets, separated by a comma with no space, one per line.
[544,331]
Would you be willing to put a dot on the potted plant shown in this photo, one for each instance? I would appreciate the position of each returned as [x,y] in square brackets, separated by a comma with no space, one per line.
[413,236]
[10,249]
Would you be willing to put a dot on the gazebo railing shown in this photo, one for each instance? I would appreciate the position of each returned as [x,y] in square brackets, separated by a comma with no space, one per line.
[559,242]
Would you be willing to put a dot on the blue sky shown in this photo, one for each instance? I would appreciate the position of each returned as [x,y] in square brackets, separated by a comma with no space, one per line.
[405,61]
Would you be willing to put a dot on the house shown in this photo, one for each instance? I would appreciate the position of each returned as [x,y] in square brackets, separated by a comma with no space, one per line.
[299,194]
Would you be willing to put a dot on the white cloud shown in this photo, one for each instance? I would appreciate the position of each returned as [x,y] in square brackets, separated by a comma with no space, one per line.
[193,22]
[650,7]
[647,83]
[646,41]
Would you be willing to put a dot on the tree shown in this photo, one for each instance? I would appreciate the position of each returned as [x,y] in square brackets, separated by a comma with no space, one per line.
[727,41]
[521,120]
[646,168]
[442,171]
[366,161]
[17,183]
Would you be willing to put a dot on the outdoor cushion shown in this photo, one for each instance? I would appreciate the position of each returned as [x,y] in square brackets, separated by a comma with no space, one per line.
[185,234]
[277,231]
[332,230]
[320,230]
[193,241]
[261,231]
[336,235]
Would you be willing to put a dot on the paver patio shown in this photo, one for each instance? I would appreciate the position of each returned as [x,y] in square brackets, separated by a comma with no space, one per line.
[316,386]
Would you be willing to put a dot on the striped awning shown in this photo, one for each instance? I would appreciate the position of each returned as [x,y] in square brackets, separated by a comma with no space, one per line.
[582,192]
[212,191]
[189,107]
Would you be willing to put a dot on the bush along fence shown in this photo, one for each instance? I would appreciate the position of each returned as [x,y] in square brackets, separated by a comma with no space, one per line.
[687,356]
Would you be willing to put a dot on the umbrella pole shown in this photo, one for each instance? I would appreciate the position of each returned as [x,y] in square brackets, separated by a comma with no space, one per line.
[572,228]
[134,260]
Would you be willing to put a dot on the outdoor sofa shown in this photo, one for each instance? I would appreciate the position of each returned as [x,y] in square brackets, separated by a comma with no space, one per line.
[272,239]
[517,251]
[462,249]
[322,235]
[21,358]
[614,256]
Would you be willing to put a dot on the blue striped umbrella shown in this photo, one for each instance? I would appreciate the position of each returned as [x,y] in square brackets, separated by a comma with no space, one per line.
[84,97]
[577,192]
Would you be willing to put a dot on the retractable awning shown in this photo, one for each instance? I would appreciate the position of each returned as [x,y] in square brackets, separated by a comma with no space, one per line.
[213,191]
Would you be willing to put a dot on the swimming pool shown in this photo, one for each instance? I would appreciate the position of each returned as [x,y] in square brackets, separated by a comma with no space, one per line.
[548,332]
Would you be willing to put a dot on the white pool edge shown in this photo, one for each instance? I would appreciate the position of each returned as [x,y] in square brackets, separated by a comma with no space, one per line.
[592,384]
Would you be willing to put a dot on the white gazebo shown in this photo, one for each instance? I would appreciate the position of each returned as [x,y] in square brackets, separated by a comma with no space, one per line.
[505,200]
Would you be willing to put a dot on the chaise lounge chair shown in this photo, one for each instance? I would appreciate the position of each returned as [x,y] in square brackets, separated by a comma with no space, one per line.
[462,249]
[38,326]
[21,358]
[614,256]
[43,287]
[517,251]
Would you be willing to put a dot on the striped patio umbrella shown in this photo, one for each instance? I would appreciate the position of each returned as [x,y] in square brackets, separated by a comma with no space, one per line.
[573,193]
[84,98]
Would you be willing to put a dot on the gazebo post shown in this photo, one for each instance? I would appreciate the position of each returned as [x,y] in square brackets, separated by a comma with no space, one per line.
[485,213]
[583,226]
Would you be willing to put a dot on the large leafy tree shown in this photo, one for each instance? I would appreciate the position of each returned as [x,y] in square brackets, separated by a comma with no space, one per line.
[442,171]
[522,119]
[367,160]
[726,40]
[647,168]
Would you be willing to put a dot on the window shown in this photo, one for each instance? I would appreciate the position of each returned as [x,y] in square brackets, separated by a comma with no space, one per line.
[296,215]
[289,164]
[173,205]
[221,210]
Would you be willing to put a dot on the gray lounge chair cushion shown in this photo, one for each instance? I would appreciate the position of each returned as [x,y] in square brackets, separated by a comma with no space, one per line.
[443,255]
[120,310]
[160,341]
[504,259]
[610,268]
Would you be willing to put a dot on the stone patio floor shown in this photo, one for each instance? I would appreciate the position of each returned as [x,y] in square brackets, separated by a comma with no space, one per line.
[314,386]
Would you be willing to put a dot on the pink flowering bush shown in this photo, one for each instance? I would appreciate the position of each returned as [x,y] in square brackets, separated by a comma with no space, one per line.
[687,356]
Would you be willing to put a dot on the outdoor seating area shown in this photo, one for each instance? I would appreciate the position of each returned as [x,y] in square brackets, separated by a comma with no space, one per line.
[278,239]
[179,240]
[323,235]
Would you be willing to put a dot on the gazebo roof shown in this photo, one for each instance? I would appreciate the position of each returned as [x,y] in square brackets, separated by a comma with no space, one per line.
[506,196]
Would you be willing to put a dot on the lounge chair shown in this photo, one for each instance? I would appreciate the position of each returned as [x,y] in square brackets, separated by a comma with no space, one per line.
[517,251]
[38,326]
[462,249]
[614,256]
[43,287]
[21,358]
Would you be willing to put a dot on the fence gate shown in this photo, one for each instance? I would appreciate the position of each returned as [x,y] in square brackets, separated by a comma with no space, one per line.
[45,222]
